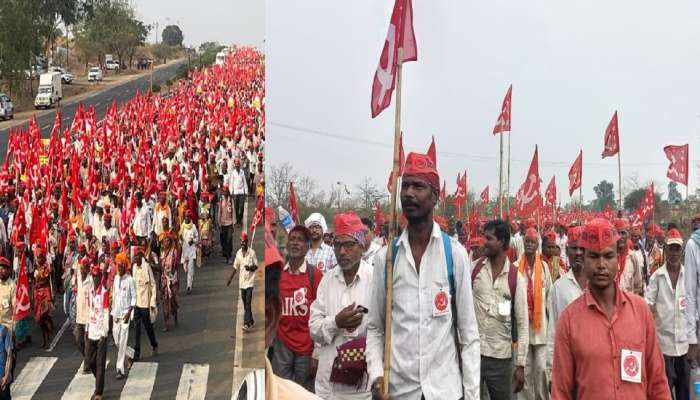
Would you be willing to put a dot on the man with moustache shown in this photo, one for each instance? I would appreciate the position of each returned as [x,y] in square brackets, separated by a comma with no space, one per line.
[434,328]
[337,314]
[605,345]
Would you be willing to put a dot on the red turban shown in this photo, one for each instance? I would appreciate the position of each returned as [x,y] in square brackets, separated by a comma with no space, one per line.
[422,166]
[574,233]
[551,236]
[531,233]
[348,223]
[598,234]
[621,224]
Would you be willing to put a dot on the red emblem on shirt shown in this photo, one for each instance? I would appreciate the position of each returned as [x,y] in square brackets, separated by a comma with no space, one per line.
[631,365]
[683,302]
[299,297]
[320,265]
[441,301]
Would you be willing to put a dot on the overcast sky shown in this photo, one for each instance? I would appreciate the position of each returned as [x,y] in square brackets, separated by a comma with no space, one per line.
[224,21]
[571,63]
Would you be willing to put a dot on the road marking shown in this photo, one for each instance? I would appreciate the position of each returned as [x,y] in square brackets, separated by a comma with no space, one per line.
[58,335]
[193,382]
[45,126]
[139,384]
[33,373]
[82,386]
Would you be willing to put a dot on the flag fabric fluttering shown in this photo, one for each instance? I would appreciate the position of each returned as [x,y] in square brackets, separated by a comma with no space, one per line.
[399,47]
[645,209]
[576,173]
[22,302]
[550,193]
[293,202]
[503,121]
[678,167]
[612,138]
[528,198]
[432,152]
[485,195]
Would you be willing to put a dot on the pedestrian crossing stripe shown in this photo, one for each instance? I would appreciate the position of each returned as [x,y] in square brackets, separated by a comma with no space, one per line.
[82,386]
[33,373]
[193,382]
[139,383]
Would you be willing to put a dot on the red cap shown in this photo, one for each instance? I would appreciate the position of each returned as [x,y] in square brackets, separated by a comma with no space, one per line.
[674,237]
[114,245]
[531,233]
[422,166]
[530,222]
[598,234]
[348,223]
[551,236]
[4,261]
[95,269]
[107,217]
[88,229]
[244,235]
[621,224]
[574,233]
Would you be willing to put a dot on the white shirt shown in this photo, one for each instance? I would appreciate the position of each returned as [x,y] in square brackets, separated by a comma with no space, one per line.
[518,244]
[98,320]
[561,242]
[424,357]
[565,290]
[237,183]
[669,308]
[692,281]
[332,296]
[189,251]
[142,221]
[123,295]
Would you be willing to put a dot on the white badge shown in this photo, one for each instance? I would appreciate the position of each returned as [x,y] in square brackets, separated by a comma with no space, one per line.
[441,302]
[682,303]
[631,365]
[299,297]
[504,308]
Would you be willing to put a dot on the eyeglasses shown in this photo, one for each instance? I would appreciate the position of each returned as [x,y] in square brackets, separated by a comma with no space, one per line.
[349,245]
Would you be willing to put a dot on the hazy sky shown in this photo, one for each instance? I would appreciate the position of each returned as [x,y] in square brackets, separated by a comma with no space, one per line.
[225,21]
[571,63]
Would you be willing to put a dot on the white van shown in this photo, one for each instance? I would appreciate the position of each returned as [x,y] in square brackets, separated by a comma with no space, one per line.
[7,110]
[94,74]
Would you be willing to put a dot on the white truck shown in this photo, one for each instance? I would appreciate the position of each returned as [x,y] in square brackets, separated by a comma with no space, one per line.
[50,91]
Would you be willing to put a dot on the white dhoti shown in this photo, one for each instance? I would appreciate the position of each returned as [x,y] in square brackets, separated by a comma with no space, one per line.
[190,272]
[120,331]
[535,374]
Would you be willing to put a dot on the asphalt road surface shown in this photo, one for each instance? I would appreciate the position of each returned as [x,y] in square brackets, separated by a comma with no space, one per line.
[195,360]
[101,101]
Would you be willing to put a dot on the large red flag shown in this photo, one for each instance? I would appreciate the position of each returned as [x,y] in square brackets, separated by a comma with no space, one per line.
[646,207]
[432,153]
[576,173]
[612,138]
[551,193]
[399,47]
[678,169]
[292,202]
[528,198]
[485,195]
[503,121]
[22,303]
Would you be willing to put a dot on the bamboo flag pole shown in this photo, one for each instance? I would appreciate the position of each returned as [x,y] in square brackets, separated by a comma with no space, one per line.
[508,178]
[500,179]
[392,233]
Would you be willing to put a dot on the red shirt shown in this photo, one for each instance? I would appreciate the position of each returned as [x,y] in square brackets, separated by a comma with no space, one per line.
[588,346]
[297,295]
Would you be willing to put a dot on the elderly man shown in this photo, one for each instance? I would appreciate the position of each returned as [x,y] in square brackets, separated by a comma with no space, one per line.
[337,314]
[605,345]
[146,288]
[539,283]
[247,263]
[320,255]
[435,343]
[97,330]
[666,297]
[123,302]
[630,271]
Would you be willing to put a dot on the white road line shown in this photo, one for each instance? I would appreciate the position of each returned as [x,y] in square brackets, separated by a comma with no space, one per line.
[193,382]
[59,334]
[139,384]
[33,373]
[82,386]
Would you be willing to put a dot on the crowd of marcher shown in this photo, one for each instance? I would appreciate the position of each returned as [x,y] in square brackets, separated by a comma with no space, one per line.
[586,309]
[100,222]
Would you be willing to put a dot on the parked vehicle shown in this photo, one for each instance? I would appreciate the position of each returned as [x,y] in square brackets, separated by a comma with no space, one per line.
[66,76]
[112,65]
[7,110]
[94,74]
[50,90]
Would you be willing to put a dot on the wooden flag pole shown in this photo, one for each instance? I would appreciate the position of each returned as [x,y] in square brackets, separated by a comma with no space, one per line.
[500,178]
[389,267]
[508,179]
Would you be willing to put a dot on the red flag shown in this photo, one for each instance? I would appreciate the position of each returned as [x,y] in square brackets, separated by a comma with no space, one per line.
[576,173]
[292,202]
[443,192]
[612,138]
[485,195]
[19,227]
[461,193]
[22,302]
[551,193]
[646,207]
[399,47]
[258,216]
[503,121]
[432,153]
[678,169]
[402,161]
[56,130]
[528,198]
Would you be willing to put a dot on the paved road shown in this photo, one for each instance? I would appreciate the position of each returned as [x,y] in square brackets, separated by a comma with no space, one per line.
[194,359]
[101,101]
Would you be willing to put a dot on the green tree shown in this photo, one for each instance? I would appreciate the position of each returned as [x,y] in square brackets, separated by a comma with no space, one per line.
[674,196]
[604,195]
[18,41]
[209,45]
[162,51]
[172,36]
[633,199]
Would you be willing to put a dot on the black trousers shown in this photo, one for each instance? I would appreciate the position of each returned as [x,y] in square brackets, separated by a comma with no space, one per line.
[678,375]
[238,203]
[79,335]
[247,296]
[226,236]
[96,359]
[142,316]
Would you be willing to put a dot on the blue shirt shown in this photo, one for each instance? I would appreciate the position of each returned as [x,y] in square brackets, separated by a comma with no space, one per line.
[5,347]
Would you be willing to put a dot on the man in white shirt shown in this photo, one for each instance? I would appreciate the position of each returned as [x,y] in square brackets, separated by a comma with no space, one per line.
[145,301]
[516,241]
[97,330]
[337,314]
[189,240]
[320,255]
[666,297]
[239,189]
[123,303]
[247,263]
[82,284]
[424,350]
[142,223]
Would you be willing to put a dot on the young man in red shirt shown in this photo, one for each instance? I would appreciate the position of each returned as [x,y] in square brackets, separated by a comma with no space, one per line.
[292,355]
[606,345]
